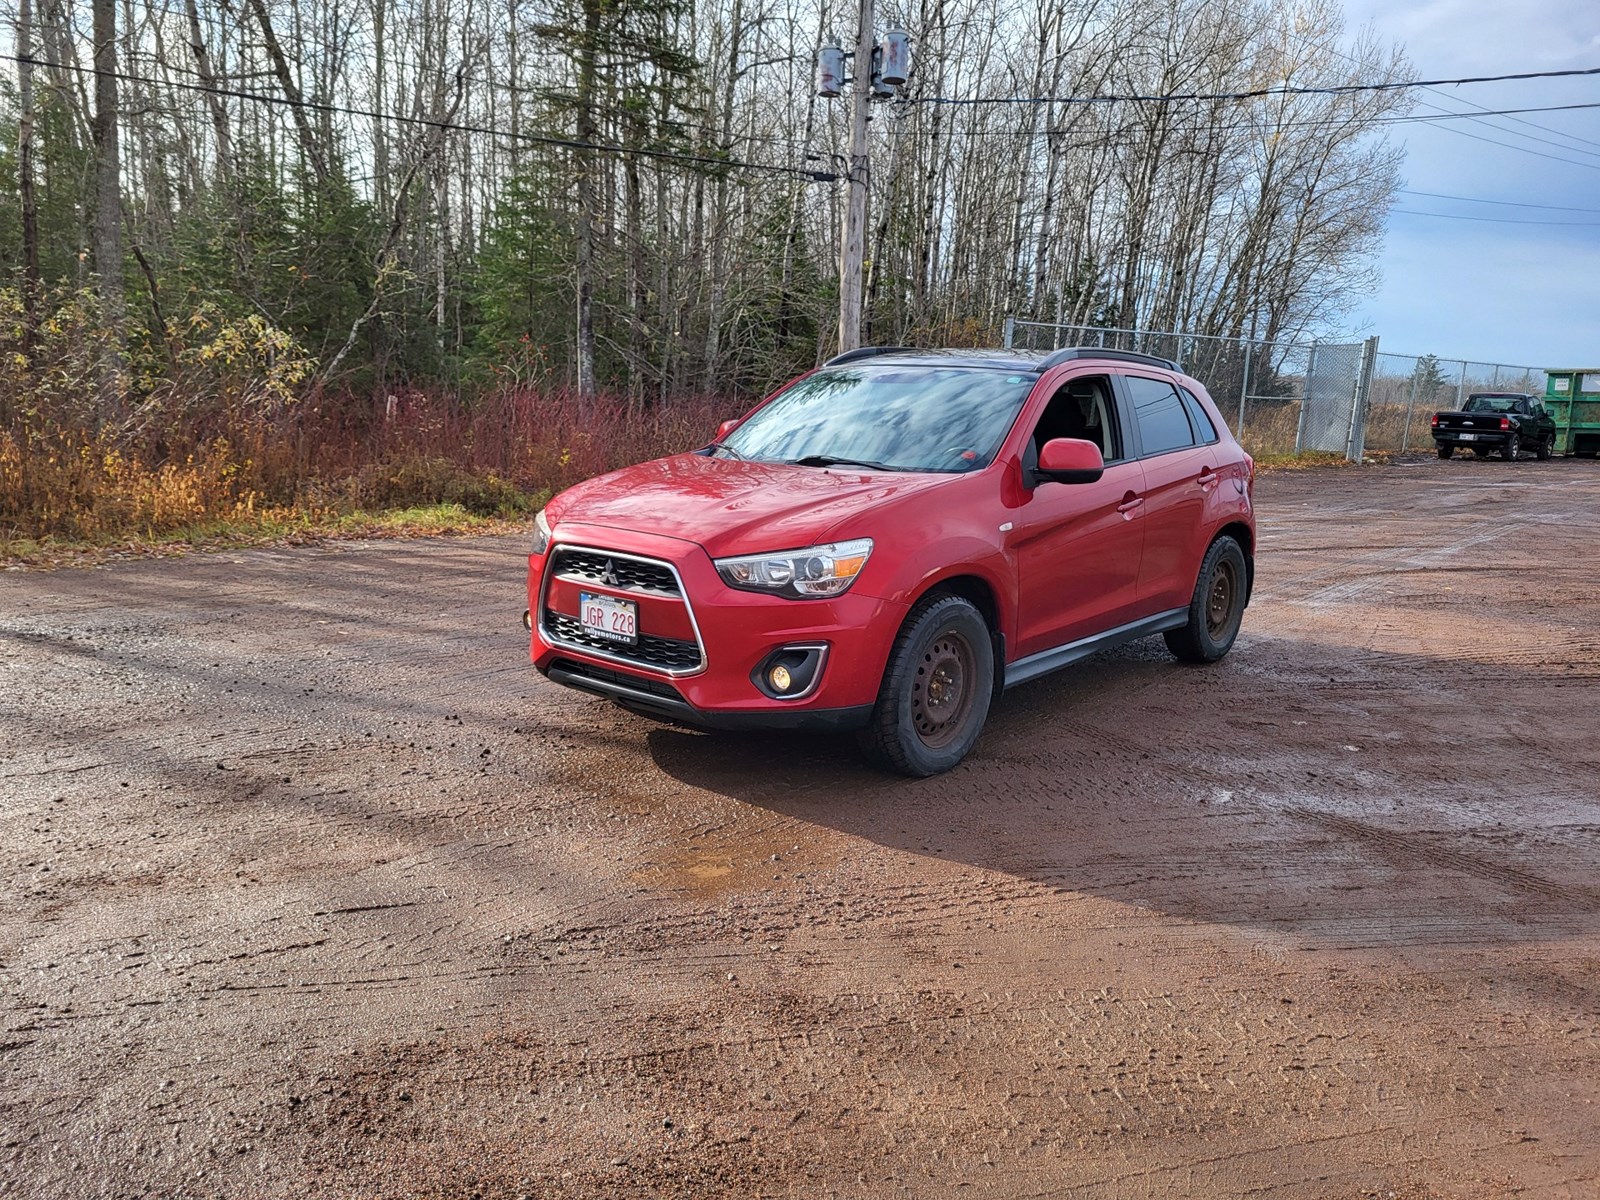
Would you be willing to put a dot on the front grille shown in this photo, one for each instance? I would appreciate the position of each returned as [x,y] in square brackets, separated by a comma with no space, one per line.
[667,654]
[587,566]
[654,687]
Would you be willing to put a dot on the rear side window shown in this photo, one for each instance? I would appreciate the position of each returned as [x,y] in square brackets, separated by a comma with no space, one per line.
[1205,431]
[1163,423]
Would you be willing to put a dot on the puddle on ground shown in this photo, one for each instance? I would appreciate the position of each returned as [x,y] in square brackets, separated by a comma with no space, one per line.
[761,859]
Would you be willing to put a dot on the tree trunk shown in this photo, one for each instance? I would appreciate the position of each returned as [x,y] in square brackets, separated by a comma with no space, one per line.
[30,203]
[108,192]
[280,67]
[588,55]
[208,79]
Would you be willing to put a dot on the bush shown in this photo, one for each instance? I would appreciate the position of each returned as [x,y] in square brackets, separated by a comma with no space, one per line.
[214,426]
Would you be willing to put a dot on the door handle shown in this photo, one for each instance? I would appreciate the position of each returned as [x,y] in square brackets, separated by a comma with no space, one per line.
[1206,478]
[1130,504]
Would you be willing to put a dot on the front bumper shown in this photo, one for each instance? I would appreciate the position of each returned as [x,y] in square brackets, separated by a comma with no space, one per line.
[636,695]
[717,637]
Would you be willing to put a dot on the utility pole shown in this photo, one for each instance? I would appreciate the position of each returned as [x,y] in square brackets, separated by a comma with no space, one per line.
[878,70]
[852,244]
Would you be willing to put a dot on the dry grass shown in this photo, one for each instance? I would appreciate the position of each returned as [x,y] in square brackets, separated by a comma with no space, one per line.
[343,466]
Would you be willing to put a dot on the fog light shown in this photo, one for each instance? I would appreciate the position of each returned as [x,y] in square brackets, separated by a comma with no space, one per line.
[527,620]
[790,672]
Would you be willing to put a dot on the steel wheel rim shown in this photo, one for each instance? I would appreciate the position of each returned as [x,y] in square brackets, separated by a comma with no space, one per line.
[942,690]
[1220,599]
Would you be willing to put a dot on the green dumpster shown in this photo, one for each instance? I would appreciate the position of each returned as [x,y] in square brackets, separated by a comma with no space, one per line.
[1572,397]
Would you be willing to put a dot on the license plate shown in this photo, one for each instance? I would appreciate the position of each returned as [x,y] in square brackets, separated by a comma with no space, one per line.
[1467,437]
[610,618]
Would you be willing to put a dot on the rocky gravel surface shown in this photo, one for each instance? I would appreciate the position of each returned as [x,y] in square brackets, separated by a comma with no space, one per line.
[313,888]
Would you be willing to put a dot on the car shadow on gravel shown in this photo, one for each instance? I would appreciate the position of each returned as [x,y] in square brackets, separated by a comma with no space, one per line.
[1274,791]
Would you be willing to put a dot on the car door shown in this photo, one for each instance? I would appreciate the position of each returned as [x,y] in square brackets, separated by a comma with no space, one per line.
[1179,476]
[1077,546]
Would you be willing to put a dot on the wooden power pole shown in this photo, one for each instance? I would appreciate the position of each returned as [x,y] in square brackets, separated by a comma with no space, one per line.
[852,246]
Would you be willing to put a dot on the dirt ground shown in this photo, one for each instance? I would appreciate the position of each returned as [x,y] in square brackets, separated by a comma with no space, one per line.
[313,888]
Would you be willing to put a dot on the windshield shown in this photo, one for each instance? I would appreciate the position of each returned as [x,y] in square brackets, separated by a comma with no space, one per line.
[886,417]
[1491,404]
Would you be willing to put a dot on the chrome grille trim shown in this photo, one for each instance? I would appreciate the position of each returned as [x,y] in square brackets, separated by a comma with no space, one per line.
[616,653]
[634,575]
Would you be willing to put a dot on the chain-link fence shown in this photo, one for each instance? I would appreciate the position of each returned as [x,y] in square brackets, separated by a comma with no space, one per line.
[1284,397]
[1408,389]
[1278,397]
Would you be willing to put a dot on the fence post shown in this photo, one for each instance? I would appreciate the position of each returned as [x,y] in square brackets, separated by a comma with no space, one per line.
[1011,331]
[1405,435]
[1244,388]
[1461,384]
[1355,444]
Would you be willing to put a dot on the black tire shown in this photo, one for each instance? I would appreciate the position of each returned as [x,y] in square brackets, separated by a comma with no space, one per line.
[1512,448]
[1545,449]
[1446,449]
[936,690]
[1217,607]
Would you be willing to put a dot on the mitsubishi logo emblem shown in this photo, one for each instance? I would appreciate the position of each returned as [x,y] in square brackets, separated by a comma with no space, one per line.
[609,575]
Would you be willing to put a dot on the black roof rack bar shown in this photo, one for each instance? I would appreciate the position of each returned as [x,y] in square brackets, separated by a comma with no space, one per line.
[866,352]
[1071,352]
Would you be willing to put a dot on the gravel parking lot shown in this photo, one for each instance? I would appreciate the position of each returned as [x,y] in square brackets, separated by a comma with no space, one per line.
[313,888]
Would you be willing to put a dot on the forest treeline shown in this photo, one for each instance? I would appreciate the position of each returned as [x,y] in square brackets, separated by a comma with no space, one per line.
[215,209]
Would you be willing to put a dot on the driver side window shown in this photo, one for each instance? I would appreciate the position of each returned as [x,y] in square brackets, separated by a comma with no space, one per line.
[1081,408]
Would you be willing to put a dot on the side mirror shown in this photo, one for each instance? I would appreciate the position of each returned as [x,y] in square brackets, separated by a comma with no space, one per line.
[1070,460]
[726,428]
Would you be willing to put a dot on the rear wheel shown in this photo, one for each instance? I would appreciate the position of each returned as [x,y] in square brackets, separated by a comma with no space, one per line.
[1446,449]
[936,690]
[1217,607]
[1513,447]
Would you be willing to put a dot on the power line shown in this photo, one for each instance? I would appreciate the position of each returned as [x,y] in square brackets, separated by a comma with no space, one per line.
[1411,212]
[1507,203]
[736,135]
[242,26]
[1174,97]
[1472,117]
[1445,114]
[540,139]
[1517,121]
[1319,122]
[1478,137]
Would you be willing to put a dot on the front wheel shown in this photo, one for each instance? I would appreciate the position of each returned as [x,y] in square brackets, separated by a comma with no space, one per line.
[1446,449]
[936,690]
[1545,449]
[1513,447]
[1217,607]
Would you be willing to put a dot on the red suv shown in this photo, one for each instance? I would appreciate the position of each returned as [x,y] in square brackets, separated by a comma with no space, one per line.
[889,542]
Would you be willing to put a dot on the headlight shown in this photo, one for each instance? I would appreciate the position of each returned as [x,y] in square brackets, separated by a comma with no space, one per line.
[541,533]
[815,571]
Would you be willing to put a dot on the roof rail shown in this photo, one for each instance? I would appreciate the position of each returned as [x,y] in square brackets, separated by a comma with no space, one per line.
[865,352]
[1058,357]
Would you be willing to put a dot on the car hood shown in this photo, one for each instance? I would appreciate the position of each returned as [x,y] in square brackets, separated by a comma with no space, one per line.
[731,506]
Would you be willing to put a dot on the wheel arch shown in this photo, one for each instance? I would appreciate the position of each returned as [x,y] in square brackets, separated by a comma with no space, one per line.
[981,593]
[1240,532]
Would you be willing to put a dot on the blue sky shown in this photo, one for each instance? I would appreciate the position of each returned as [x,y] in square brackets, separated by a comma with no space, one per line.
[1493,291]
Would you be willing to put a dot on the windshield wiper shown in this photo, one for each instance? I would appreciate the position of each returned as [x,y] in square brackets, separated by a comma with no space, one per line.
[829,460]
[728,450]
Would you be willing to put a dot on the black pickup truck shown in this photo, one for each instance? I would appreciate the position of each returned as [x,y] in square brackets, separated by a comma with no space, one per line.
[1509,422]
